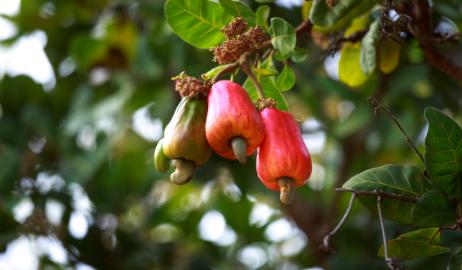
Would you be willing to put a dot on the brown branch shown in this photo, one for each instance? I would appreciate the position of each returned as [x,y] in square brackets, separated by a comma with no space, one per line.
[229,69]
[337,42]
[248,71]
[355,37]
[454,37]
[379,193]
[305,26]
[421,26]
[440,62]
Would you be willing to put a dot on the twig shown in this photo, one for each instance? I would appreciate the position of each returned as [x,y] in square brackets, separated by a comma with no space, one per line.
[326,239]
[454,37]
[305,26]
[229,69]
[391,263]
[378,193]
[382,229]
[337,42]
[355,37]
[245,67]
[376,106]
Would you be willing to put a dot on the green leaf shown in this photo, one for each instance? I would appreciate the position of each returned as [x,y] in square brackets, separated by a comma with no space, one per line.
[402,180]
[262,15]
[349,69]
[86,50]
[306,8]
[239,9]
[286,80]
[329,19]
[443,152]
[455,263]
[282,36]
[368,52]
[360,23]
[298,55]
[214,71]
[430,235]
[415,244]
[270,90]
[266,71]
[433,209]
[197,22]
[264,1]
[396,179]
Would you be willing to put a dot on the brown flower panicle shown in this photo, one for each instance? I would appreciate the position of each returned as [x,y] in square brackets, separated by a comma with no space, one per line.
[236,27]
[258,37]
[231,50]
[192,87]
[239,41]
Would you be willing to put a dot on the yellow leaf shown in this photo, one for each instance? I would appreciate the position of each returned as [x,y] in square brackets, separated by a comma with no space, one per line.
[389,53]
[306,9]
[350,71]
[358,24]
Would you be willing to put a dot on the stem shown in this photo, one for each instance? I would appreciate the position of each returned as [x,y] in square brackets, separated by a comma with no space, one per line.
[382,228]
[248,71]
[305,26]
[388,260]
[376,106]
[326,239]
[229,69]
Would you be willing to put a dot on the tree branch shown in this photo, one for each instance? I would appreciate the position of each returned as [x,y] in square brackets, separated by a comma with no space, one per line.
[421,26]
[229,69]
[305,26]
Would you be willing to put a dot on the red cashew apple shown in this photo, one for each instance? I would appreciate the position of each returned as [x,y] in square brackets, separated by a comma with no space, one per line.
[283,161]
[234,128]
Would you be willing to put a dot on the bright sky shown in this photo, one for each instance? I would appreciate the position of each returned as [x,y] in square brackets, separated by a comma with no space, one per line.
[26,56]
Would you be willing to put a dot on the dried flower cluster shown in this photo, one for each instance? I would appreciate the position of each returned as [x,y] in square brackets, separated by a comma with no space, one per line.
[239,41]
[192,87]
[235,28]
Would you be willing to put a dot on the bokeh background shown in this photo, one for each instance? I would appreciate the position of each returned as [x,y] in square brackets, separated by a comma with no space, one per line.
[85,93]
